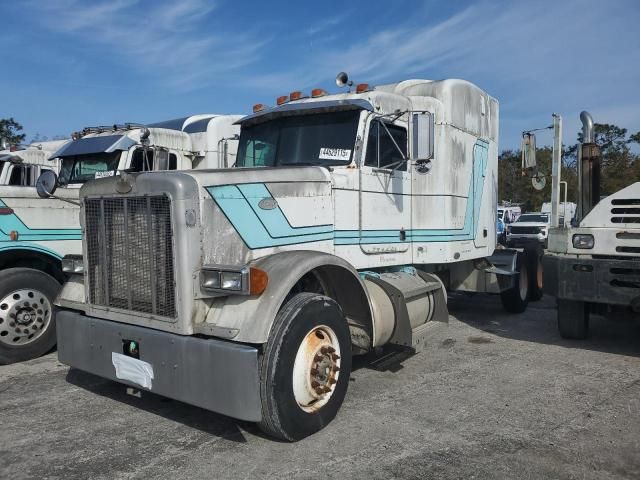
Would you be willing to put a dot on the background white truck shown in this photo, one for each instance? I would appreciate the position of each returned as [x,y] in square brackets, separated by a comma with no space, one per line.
[22,167]
[596,263]
[246,291]
[566,212]
[36,233]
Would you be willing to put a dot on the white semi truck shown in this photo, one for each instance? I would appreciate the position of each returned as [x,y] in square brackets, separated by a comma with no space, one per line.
[22,167]
[36,233]
[595,263]
[246,291]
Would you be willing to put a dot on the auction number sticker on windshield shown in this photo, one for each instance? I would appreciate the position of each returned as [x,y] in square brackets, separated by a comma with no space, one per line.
[334,154]
[108,173]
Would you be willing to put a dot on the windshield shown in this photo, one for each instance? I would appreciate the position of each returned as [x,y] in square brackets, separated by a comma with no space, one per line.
[534,217]
[318,139]
[82,168]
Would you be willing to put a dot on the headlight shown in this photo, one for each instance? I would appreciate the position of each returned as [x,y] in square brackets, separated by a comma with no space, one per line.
[73,264]
[241,280]
[583,241]
[231,281]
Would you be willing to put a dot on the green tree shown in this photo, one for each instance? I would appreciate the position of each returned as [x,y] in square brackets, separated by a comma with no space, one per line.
[515,187]
[10,131]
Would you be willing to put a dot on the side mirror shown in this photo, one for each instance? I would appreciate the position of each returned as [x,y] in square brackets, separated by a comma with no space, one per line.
[422,136]
[528,150]
[46,184]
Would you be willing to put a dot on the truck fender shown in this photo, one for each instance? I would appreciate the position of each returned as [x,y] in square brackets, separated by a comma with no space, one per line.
[249,319]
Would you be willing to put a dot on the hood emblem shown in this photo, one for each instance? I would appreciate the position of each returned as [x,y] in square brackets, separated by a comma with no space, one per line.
[268,203]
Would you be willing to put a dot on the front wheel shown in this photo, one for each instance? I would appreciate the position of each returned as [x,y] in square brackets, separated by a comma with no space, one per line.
[27,319]
[516,299]
[305,368]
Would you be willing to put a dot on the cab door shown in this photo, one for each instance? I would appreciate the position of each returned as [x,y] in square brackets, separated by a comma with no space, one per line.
[385,196]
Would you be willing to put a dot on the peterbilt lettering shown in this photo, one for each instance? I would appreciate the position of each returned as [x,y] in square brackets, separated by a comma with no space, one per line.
[295,262]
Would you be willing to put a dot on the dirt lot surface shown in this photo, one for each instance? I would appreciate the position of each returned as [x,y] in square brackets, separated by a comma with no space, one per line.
[493,396]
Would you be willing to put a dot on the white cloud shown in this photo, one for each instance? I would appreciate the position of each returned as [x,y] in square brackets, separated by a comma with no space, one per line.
[163,39]
[536,58]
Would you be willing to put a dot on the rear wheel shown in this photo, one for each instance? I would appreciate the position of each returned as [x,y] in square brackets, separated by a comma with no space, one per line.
[516,299]
[305,367]
[27,318]
[573,319]
[536,275]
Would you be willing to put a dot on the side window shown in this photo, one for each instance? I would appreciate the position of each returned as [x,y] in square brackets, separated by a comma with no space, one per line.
[382,151]
[20,176]
[15,179]
[140,162]
[259,154]
[173,162]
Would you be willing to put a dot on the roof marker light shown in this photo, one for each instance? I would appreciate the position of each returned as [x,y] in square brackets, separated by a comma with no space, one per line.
[297,95]
[282,99]
[258,107]
[318,92]
[362,87]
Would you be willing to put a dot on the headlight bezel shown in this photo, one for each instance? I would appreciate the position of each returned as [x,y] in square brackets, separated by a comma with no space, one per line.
[583,241]
[212,278]
[248,280]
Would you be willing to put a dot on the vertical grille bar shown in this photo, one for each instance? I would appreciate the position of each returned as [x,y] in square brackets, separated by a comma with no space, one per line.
[128,285]
[103,251]
[154,288]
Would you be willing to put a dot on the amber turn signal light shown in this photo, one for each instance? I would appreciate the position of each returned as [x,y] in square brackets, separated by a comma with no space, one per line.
[258,280]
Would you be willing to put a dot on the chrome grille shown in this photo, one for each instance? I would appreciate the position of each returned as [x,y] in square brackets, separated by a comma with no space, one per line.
[524,230]
[130,254]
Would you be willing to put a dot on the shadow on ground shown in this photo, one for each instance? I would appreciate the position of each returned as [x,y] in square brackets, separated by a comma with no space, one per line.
[615,333]
[195,417]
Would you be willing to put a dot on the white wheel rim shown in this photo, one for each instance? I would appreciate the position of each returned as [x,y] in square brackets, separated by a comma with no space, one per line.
[24,316]
[316,368]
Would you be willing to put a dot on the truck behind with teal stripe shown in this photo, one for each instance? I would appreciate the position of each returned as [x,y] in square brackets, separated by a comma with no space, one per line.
[36,233]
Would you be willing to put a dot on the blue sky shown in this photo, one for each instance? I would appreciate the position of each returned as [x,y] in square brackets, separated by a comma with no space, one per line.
[71,63]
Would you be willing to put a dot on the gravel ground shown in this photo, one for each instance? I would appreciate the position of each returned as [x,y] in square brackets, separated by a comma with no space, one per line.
[492,396]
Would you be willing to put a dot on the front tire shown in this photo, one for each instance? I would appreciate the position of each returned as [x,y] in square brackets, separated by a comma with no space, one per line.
[27,317]
[573,319]
[305,368]
[516,299]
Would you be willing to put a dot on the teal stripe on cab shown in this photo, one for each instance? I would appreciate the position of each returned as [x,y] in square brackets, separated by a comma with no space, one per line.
[467,232]
[260,228]
[9,223]
[28,246]
[270,228]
